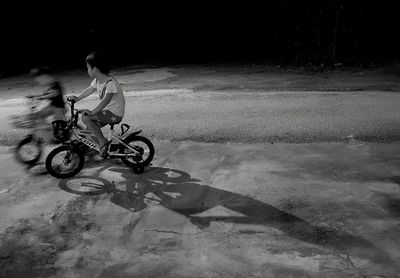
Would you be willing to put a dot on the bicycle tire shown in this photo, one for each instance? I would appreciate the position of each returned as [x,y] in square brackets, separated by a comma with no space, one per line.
[69,151]
[147,142]
[30,139]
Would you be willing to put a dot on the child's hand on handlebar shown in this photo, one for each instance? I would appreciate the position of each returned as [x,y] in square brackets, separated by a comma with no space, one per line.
[73,98]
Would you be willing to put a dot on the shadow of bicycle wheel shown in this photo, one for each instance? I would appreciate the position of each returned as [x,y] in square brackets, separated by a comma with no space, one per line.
[87,186]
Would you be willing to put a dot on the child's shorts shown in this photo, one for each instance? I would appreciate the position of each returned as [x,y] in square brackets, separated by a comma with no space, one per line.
[106,117]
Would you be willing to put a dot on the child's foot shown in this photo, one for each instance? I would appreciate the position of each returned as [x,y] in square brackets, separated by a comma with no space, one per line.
[97,158]
[104,149]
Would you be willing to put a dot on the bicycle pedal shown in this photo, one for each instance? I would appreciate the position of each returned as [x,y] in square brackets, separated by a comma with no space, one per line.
[104,156]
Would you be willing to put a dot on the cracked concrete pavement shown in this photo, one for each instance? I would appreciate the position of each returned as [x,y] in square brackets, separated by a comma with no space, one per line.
[210,210]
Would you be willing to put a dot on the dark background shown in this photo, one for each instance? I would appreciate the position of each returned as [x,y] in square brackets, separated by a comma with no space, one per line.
[289,32]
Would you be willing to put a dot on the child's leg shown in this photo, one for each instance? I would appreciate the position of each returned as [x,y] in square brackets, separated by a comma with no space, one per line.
[44,112]
[41,117]
[95,122]
[93,125]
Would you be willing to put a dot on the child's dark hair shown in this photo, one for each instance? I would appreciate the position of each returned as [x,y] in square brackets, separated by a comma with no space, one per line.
[99,60]
[43,70]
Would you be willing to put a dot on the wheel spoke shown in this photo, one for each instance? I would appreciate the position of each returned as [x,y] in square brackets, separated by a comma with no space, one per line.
[144,148]
[57,167]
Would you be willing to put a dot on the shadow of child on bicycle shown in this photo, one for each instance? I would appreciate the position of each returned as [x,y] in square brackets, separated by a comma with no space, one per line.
[178,191]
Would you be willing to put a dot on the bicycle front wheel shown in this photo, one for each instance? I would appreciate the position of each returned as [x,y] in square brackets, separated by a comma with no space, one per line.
[65,162]
[28,150]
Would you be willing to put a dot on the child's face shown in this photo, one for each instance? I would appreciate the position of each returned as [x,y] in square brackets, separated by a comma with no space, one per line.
[90,71]
[41,80]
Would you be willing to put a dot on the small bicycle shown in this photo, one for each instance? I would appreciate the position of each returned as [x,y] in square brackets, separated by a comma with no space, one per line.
[68,160]
[29,150]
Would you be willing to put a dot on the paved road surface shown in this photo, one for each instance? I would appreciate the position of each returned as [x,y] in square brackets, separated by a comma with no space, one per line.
[242,105]
[253,117]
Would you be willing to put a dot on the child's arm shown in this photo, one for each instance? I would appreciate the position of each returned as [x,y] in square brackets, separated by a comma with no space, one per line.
[48,94]
[89,90]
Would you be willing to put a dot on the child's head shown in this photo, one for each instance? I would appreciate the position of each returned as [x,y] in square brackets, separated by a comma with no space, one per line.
[42,75]
[97,62]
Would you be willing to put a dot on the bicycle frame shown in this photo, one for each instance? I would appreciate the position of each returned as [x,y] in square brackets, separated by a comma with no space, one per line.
[82,134]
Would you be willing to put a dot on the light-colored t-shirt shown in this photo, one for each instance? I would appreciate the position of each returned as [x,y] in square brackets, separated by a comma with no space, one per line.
[117,103]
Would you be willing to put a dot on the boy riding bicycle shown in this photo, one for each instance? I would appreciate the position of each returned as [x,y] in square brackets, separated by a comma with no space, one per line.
[44,76]
[111,109]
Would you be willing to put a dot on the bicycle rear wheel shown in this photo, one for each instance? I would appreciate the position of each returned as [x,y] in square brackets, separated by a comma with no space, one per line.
[29,150]
[65,162]
[143,146]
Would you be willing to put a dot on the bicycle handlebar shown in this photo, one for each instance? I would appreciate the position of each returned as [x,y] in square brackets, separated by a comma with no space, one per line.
[71,100]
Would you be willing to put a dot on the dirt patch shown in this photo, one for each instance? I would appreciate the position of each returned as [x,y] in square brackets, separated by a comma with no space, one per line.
[30,247]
